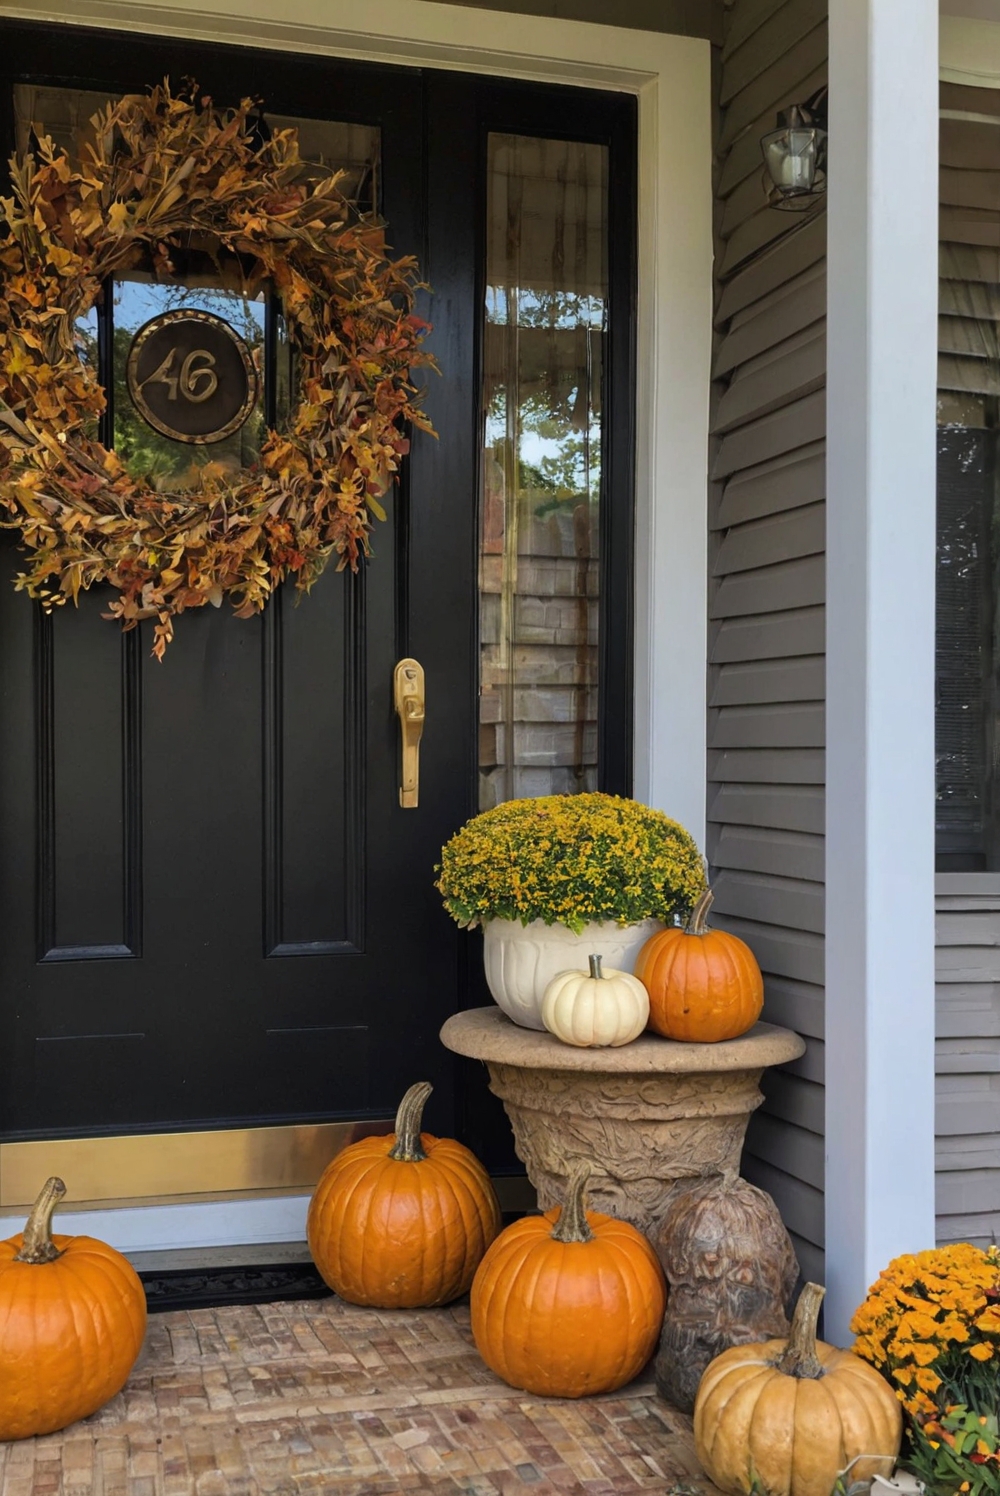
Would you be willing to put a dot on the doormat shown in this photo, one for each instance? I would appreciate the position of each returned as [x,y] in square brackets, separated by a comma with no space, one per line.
[211,1287]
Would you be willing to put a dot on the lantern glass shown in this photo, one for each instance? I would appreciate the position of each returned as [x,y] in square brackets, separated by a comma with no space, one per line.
[793,158]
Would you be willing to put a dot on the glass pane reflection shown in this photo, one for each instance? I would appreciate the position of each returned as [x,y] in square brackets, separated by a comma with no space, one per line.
[545,322]
[62,113]
[164,463]
[201,283]
[324,145]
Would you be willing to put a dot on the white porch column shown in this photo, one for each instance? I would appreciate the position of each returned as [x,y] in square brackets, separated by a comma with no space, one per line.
[882,307]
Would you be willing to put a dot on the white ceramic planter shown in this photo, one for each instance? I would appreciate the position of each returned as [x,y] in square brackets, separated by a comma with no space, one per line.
[521,960]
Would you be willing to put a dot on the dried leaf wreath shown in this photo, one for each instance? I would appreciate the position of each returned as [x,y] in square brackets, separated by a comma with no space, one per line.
[167,174]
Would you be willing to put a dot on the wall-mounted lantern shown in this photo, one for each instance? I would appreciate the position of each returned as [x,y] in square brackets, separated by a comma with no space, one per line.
[795,155]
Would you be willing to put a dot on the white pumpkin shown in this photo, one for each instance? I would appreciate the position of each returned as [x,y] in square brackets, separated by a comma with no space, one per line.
[605,1008]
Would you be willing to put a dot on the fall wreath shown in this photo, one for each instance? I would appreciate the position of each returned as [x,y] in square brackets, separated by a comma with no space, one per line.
[166,177]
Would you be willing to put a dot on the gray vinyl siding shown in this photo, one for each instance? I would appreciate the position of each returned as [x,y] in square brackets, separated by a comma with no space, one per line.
[766,661]
[968,1058]
[766,655]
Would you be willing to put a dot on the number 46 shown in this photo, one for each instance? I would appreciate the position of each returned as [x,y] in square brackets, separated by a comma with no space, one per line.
[197,380]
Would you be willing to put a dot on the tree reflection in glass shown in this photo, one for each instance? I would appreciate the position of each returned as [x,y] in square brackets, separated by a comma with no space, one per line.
[545,323]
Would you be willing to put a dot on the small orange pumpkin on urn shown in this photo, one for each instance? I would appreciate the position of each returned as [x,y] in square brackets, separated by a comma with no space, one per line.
[704,985]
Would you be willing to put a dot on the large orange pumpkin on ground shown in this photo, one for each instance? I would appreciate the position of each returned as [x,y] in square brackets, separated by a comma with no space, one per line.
[72,1321]
[402,1222]
[789,1416]
[704,985]
[569,1303]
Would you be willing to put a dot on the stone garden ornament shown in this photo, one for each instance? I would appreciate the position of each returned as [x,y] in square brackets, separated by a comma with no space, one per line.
[731,1270]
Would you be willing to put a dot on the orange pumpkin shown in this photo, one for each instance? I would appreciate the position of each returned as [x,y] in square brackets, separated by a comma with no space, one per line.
[569,1303]
[402,1222]
[704,985]
[72,1321]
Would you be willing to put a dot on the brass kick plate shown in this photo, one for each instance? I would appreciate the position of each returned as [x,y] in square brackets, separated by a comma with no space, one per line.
[145,1166]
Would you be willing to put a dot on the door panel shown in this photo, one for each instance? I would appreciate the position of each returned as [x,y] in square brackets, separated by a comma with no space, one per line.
[315,773]
[216,913]
[242,974]
[89,868]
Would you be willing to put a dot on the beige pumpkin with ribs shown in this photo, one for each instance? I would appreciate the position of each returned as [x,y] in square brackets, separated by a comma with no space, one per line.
[791,1415]
[606,1008]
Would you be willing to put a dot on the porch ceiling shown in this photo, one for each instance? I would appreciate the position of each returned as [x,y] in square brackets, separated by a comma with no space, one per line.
[679,17]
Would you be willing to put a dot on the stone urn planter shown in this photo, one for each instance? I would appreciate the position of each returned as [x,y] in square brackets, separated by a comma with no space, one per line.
[521,960]
[652,1117]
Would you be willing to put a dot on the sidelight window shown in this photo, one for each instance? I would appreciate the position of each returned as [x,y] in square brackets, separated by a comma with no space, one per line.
[544,337]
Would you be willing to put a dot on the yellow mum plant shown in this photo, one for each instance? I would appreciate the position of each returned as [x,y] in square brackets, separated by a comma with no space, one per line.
[931,1324]
[570,859]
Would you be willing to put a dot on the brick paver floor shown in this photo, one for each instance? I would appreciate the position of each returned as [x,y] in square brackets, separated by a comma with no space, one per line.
[309,1398]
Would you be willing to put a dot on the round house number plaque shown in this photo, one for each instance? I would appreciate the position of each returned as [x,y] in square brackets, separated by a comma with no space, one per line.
[191,376]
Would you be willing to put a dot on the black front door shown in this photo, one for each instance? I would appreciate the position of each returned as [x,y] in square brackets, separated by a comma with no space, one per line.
[215,910]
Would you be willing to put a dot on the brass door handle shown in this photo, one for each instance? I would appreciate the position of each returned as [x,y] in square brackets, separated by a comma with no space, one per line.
[408,694]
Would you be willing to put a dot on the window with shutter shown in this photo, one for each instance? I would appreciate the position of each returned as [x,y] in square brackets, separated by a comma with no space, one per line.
[968,560]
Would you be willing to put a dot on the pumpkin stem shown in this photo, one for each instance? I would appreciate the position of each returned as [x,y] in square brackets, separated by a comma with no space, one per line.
[698,919]
[595,966]
[38,1246]
[407,1147]
[799,1358]
[572,1222]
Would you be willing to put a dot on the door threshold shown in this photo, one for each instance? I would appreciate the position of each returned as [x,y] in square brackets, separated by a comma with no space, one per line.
[195,1259]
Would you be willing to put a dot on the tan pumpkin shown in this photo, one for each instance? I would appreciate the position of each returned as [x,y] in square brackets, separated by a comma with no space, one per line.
[605,1008]
[704,985]
[792,1414]
[402,1222]
[72,1321]
[569,1303]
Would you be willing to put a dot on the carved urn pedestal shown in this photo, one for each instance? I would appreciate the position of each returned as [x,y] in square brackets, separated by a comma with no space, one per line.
[652,1116]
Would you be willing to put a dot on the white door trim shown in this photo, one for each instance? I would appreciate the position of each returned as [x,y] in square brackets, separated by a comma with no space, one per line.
[671,77]
[213,1223]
